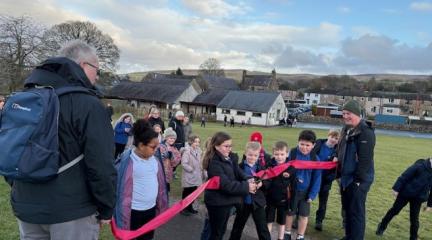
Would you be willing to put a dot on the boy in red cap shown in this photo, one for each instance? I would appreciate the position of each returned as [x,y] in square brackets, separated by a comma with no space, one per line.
[264,159]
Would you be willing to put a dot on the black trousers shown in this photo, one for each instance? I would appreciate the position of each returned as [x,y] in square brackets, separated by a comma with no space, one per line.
[186,192]
[119,148]
[218,218]
[139,218]
[322,203]
[202,123]
[259,217]
[400,202]
[354,203]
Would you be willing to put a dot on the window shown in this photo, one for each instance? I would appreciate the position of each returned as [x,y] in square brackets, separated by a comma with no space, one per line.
[256,114]
[391,100]
[226,111]
[316,95]
[308,94]
[241,113]
[390,110]
[369,99]
[373,109]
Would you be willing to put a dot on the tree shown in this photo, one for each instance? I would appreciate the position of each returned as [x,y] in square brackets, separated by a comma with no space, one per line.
[179,72]
[21,48]
[211,67]
[107,52]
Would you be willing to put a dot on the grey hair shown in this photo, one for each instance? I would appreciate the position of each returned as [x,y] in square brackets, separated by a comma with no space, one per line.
[78,51]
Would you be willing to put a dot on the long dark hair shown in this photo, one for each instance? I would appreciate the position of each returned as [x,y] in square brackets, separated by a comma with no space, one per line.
[217,139]
[143,132]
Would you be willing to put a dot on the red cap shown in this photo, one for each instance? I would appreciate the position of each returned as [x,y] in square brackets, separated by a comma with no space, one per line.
[256,137]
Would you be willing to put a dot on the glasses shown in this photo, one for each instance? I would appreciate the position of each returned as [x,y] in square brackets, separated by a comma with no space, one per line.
[98,71]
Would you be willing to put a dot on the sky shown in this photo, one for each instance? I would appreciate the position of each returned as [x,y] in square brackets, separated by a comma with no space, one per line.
[291,36]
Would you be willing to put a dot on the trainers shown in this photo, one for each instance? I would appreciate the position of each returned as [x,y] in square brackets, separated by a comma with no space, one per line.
[287,236]
[300,237]
[318,226]
[380,230]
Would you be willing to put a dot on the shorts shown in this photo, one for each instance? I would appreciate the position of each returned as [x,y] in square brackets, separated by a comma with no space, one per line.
[278,211]
[300,205]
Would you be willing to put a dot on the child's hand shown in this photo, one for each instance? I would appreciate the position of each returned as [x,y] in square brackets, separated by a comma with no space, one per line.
[427,209]
[259,185]
[335,159]
[252,187]
[286,175]
[309,200]
[395,194]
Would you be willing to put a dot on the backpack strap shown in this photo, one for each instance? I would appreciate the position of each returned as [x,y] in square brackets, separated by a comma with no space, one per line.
[70,164]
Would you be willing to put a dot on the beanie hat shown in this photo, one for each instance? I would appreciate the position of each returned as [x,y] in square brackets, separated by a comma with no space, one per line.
[169,132]
[256,137]
[353,106]
[179,114]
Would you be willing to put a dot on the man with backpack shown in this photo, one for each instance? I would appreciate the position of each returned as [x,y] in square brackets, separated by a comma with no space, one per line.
[73,203]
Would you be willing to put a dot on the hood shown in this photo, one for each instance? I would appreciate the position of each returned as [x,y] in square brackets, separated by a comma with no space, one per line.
[58,72]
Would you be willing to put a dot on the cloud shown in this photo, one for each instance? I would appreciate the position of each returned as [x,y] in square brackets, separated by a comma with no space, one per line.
[382,54]
[215,8]
[421,6]
[291,57]
[344,10]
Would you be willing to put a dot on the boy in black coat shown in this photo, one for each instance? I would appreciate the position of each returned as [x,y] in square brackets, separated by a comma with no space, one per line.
[279,191]
[253,203]
[413,187]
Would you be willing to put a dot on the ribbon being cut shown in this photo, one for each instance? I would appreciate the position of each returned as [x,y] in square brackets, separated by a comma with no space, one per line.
[212,183]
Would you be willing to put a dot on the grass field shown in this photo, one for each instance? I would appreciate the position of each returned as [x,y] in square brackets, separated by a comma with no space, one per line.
[392,156]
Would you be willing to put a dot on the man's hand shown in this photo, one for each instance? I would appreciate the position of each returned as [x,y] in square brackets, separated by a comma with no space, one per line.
[309,200]
[395,194]
[335,159]
[427,209]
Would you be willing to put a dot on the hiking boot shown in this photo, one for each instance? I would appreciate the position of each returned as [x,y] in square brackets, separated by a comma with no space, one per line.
[287,236]
[318,226]
[380,230]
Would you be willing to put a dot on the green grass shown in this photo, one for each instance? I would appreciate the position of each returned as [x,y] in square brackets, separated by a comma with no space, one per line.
[392,156]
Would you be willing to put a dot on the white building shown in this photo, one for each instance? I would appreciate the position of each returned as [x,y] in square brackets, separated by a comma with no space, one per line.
[256,108]
[312,98]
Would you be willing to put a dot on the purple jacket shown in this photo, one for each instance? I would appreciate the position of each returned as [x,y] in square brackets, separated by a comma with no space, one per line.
[122,212]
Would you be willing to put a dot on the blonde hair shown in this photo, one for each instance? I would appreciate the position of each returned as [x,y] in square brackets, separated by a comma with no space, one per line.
[334,132]
[254,146]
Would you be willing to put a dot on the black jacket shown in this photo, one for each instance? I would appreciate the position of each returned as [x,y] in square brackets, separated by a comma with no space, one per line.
[356,154]
[84,127]
[233,182]
[177,126]
[154,121]
[416,182]
[280,187]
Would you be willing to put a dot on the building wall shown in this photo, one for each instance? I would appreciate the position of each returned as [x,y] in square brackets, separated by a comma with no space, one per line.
[312,98]
[276,112]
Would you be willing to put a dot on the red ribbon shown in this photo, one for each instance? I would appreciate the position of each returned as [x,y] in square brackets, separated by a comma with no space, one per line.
[212,183]
[164,217]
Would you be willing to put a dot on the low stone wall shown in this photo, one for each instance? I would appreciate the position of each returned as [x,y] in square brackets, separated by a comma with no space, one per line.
[338,121]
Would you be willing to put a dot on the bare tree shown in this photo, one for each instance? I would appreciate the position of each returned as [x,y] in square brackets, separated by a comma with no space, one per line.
[21,48]
[211,67]
[107,51]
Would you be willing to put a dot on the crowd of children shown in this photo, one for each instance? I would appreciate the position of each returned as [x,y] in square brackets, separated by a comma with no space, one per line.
[285,199]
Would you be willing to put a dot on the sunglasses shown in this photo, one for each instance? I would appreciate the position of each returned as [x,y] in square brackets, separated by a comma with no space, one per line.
[98,71]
